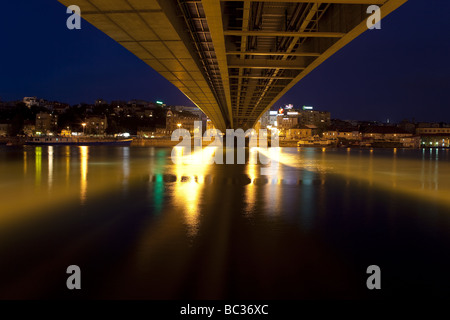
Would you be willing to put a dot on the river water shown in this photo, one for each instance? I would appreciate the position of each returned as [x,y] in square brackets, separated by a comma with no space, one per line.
[142,227]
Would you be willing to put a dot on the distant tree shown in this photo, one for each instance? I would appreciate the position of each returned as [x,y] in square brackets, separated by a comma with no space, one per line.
[113,127]
[17,124]
[159,116]
[71,118]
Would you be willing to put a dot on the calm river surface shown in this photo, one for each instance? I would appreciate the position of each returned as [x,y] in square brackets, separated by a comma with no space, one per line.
[141,227]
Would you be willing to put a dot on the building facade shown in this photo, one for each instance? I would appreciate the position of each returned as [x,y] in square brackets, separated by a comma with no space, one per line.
[300,132]
[349,133]
[180,120]
[194,110]
[96,125]
[435,140]
[431,130]
[31,101]
[385,133]
[46,123]
[316,118]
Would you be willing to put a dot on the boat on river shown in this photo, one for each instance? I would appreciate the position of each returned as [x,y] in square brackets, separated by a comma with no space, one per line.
[316,141]
[77,141]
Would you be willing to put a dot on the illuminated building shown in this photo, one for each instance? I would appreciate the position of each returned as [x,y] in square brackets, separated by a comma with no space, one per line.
[180,120]
[385,133]
[96,125]
[438,140]
[411,142]
[430,130]
[46,123]
[194,110]
[347,133]
[317,118]
[300,131]
[30,101]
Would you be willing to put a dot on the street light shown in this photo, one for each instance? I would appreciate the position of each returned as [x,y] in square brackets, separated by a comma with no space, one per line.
[84,126]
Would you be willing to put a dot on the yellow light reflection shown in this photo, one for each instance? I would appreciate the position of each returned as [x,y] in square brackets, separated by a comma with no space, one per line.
[348,168]
[38,166]
[394,169]
[393,174]
[275,157]
[436,172]
[25,168]
[191,193]
[50,167]
[32,197]
[84,156]
[67,165]
[272,172]
[190,171]
[250,190]
[370,171]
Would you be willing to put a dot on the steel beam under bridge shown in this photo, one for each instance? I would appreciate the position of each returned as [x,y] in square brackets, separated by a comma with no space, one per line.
[233,58]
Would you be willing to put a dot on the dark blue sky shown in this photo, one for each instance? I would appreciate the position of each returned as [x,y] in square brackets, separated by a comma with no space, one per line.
[400,71]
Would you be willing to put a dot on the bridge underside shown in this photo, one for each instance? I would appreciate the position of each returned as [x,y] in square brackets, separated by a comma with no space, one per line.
[233,58]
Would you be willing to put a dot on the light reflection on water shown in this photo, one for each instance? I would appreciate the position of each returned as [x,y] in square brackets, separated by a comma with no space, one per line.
[84,157]
[416,173]
[425,176]
[315,205]
[423,173]
[189,185]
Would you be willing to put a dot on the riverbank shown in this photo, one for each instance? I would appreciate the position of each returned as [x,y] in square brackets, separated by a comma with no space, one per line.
[15,141]
[167,143]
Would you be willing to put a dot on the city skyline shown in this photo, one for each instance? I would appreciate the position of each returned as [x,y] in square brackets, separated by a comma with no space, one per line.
[276,107]
[403,78]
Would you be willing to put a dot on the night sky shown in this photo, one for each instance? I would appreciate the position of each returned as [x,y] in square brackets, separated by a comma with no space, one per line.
[401,71]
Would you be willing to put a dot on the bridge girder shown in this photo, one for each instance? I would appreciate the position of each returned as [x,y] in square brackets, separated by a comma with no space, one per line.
[233,58]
